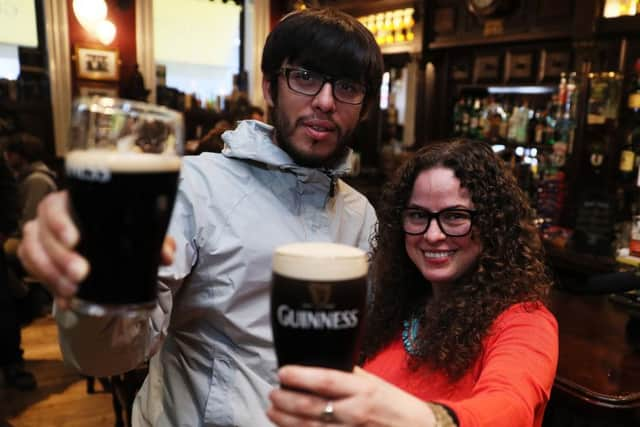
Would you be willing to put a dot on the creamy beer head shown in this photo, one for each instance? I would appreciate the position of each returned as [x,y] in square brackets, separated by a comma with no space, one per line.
[318,299]
[127,162]
[319,261]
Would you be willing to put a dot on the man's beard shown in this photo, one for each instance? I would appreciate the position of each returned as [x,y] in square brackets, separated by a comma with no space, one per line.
[284,129]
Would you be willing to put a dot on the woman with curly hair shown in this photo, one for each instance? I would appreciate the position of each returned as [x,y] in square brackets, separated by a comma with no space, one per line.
[458,334]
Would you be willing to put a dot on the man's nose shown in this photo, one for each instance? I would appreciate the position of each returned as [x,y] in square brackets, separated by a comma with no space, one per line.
[324,100]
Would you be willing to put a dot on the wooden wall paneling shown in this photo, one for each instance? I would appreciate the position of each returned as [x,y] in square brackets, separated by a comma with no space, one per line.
[424,102]
[521,65]
[519,25]
[585,17]
[488,66]
[551,15]
[443,96]
[516,21]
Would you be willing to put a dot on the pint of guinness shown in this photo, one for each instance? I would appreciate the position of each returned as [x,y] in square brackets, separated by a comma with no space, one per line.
[122,174]
[318,298]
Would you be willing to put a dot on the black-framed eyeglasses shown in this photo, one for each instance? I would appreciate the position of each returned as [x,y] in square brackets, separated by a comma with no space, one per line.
[453,222]
[310,83]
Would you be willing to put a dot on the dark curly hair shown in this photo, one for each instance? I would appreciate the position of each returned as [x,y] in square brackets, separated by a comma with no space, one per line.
[328,41]
[509,270]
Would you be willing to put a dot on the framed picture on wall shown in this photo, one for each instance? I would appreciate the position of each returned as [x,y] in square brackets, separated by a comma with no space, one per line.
[519,66]
[460,69]
[93,89]
[486,68]
[96,63]
[553,63]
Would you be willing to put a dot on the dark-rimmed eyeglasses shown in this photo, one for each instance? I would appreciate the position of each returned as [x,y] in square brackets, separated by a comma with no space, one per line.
[453,222]
[310,83]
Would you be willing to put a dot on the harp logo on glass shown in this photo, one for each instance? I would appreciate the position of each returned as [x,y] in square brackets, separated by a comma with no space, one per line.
[320,294]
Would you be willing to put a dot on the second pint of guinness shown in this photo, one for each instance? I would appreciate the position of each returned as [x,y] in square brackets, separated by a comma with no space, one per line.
[318,301]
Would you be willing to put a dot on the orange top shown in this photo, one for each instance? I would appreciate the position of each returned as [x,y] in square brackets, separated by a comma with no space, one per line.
[508,386]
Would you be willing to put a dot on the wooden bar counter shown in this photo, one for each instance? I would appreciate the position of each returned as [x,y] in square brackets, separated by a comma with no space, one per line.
[598,378]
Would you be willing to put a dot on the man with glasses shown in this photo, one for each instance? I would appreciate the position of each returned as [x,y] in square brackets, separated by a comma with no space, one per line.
[209,339]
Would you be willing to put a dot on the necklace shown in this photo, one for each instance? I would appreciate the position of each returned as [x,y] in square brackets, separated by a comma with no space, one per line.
[409,335]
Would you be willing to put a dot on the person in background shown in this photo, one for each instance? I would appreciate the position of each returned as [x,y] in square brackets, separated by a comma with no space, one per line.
[209,338]
[458,334]
[8,199]
[256,113]
[11,360]
[212,142]
[24,156]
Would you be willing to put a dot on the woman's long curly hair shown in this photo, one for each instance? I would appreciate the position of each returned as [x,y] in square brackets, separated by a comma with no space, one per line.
[509,270]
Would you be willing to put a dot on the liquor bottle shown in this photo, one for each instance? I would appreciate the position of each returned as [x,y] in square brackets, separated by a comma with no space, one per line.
[561,99]
[631,144]
[570,113]
[633,99]
[536,128]
[513,124]
[474,121]
[524,114]
[632,134]
[627,165]
[503,129]
[466,114]
[458,111]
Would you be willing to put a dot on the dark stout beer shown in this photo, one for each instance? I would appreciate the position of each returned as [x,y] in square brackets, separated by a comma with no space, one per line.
[318,304]
[121,204]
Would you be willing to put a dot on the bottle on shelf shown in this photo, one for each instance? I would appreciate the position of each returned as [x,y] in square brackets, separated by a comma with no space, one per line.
[629,180]
[627,166]
[474,120]
[466,117]
[632,127]
[458,111]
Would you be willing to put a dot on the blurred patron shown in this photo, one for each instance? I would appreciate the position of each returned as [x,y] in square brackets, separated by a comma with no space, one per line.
[11,361]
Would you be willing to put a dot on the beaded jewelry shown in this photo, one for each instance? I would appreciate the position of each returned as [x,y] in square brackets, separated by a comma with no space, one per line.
[409,334]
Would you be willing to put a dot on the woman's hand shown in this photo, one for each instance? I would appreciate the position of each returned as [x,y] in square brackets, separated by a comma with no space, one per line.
[354,399]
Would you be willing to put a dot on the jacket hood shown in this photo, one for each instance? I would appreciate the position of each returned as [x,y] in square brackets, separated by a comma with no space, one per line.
[253,140]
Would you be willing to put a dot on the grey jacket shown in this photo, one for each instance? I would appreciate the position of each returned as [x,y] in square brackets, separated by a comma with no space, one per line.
[213,363]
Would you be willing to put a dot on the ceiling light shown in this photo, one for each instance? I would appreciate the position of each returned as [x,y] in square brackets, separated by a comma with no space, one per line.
[105,31]
[90,12]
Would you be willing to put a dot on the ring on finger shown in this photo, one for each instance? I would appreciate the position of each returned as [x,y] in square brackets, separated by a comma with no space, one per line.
[327,415]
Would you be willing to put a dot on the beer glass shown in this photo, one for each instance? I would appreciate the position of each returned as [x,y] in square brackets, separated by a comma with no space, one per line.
[122,169]
[318,297]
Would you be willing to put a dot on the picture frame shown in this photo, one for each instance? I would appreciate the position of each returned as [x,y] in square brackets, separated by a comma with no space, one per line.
[460,69]
[96,89]
[552,64]
[519,67]
[97,63]
[444,21]
[486,68]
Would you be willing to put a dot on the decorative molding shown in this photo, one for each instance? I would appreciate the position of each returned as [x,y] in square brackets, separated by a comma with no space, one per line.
[59,63]
[257,17]
[409,135]
[145,54]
